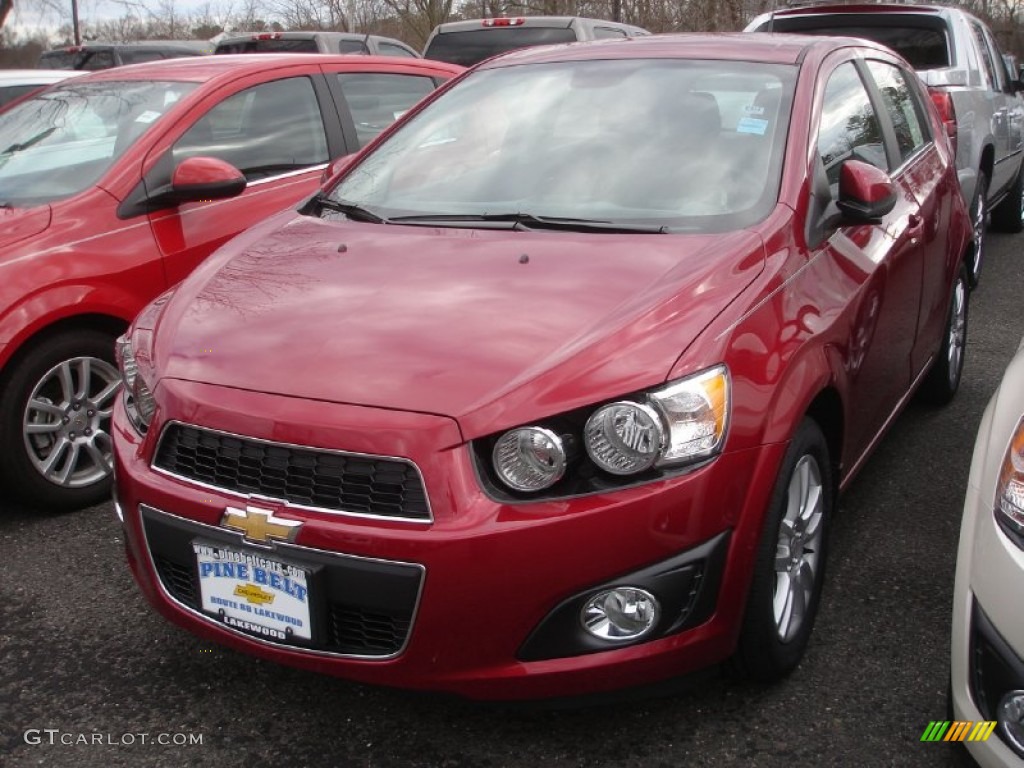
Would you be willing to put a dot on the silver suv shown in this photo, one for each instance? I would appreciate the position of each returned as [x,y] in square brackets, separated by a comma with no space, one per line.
[472,41]
[967,76]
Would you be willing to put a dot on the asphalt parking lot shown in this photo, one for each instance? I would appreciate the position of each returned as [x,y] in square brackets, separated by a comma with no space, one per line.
[89,675]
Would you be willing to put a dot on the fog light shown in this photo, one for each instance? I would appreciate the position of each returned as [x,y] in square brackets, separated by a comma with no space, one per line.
[623,613]
[1011,720]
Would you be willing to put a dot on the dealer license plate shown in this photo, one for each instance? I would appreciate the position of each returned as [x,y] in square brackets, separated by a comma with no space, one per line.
[253,593]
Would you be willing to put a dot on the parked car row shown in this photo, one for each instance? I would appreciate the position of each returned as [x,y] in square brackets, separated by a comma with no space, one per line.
[590,380]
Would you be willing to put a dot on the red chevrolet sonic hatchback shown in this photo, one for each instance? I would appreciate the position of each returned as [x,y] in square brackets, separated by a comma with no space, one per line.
[113,186]
[552,390]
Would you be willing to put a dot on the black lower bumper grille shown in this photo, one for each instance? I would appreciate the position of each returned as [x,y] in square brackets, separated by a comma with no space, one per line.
[358,607]
[369,485]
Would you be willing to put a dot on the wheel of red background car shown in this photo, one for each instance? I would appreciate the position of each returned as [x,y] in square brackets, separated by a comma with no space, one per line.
[55,406]
[979,221]
[790,567]
[1008,216]
[943,380]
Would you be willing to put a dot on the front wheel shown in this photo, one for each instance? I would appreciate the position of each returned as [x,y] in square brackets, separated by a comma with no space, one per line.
[943,380]
[979,222]
[55,407]
[790,567]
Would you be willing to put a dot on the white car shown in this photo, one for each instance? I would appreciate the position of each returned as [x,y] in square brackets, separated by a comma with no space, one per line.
[18,82]
[987,674]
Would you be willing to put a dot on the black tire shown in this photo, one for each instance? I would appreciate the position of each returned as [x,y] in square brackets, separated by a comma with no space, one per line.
[943,380]
[69,422]
[1008,216]
[979,223]
[770,647]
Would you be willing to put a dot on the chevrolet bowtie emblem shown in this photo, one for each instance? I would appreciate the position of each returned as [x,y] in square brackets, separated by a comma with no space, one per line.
[259,526]
[254,594]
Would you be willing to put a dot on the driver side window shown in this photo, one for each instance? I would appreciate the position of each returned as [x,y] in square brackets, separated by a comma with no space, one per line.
[849,126]
[265,130]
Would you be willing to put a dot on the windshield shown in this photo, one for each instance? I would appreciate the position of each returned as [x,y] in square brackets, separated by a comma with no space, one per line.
[78,58]
[474,45]
[671,144]
[62,141]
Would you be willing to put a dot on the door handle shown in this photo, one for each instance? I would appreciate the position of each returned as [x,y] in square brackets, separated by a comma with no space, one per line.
[915,226]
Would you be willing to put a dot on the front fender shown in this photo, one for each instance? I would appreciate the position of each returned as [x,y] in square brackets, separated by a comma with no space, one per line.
[32,314]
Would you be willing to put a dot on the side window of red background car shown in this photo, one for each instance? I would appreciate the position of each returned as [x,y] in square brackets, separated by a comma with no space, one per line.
[903,106]
[376,100]
[265,130]
[849,126]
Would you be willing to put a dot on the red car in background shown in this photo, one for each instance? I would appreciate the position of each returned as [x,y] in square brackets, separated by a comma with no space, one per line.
[114,186]
[541,397]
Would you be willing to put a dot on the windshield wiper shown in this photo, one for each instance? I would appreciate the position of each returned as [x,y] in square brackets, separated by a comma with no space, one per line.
[352,211]
[29,142]
[529,221]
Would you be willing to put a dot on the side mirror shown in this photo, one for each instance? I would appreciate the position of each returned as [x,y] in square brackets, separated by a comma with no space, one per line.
[205,178]
[336,166]
[866,193]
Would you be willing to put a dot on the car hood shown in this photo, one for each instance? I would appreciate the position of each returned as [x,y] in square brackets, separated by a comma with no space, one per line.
[448,321]
[17,224]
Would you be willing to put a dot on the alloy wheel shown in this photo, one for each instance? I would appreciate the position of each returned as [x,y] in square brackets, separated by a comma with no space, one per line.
[66,425]
[957,331]
[798,548]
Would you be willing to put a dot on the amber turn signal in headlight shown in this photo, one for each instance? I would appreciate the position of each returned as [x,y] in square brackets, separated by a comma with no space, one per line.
[1010,491]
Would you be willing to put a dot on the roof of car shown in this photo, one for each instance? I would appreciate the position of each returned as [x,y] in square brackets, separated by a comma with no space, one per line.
[35,76]
[301,34]
[736,46]
[203,68]
[527,21]
[861,8]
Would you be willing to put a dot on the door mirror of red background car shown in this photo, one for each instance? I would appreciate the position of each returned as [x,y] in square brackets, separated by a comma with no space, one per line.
[866,193]
[205,178]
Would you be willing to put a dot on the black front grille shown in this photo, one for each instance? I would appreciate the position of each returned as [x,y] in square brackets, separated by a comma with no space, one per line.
[355,630]
[308,476]
[179,580]
[358,607]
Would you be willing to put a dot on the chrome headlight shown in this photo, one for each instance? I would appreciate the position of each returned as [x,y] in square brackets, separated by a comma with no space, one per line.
[696,412]
[1010,490]
[529,458]
[625,437]
[138,395]
[675,424]
[681,422]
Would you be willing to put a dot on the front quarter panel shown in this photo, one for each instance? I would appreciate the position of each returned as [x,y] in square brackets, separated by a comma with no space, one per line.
[88,262]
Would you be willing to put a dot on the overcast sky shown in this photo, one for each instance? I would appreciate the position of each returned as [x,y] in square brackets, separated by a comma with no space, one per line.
[51,14]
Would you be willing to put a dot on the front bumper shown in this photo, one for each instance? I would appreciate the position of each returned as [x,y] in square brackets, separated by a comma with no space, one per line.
[988,627]
[474,600]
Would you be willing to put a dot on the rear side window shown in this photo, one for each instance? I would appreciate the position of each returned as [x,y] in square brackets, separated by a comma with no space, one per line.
[390,49]
[377,100]
[608,33]
[138,57]
[471,46]
[849,126]
[265,130]
[922,42]
[904,109]
[986,57]
[352,46]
